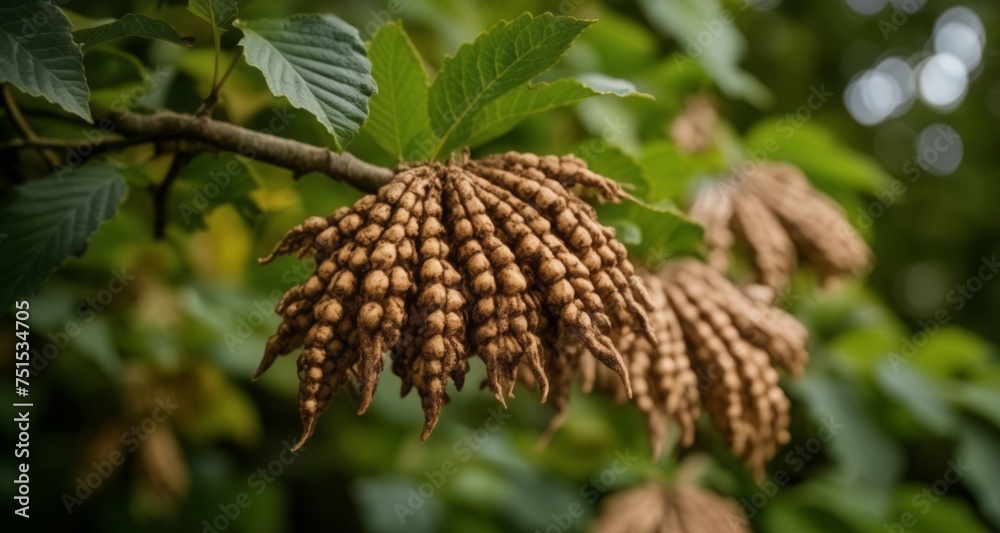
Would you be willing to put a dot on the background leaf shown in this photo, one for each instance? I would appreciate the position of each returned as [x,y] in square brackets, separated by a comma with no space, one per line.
[399,122]
[318,62]
[208,182]
[670,171]
[651,231]
[42,59]
[509,54]
[218,13]
[131,25]
[813,149]
[49,219]
[978,449]
[501,115]
[918,394]
[688,21]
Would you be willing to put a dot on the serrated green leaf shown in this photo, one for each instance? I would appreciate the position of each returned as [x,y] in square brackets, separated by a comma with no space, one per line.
[42,60]
[318,62]
[131,25]
[49,219]
[218,13]
[604,84]
[506,56]
[398,121]
[501,115]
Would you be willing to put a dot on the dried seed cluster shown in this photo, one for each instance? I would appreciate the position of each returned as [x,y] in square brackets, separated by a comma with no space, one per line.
[716,347]
[780,217]
[493,257]
[693,131]
[656,508]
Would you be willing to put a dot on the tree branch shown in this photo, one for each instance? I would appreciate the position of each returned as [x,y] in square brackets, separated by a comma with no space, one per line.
[161,193]
[78,146]
[189,133]
[299,157]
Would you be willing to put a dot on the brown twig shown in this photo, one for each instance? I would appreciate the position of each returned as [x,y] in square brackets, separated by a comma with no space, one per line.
[161,193]
[299,157]
[207,134]
[77,146]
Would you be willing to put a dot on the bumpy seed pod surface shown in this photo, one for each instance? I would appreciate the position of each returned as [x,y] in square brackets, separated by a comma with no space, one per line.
[781,218]
[656,508]
[717,349]
[483,258]
[736,350]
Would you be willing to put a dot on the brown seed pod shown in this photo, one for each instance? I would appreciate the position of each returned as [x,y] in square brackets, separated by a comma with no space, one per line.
[693,131]
[736,352]
[656,508]
[780,216]
[715,345]
[162,469]
[712,207]
[483,258]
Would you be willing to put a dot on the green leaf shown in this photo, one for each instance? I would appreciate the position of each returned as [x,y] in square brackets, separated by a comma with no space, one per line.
[627,232]
[399,122]
[941,515]
[210,181]
[49,219]
[866,455]
[817,152]
[977,399]
[604,84]
[663,230]
[508,55]
[131,25]
[620,45]
[865,346]
[977,449]
[912,389]
[318,62]
[688,21]
[612,162]
[951,352]
[42,59]
[218,13]
[501,115]
[670,171]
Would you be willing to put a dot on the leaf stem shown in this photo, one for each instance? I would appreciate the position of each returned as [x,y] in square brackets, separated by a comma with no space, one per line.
[218,52]
[212,99]
[22,126]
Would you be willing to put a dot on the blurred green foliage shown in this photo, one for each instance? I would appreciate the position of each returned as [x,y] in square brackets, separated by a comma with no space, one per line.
[904,374]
